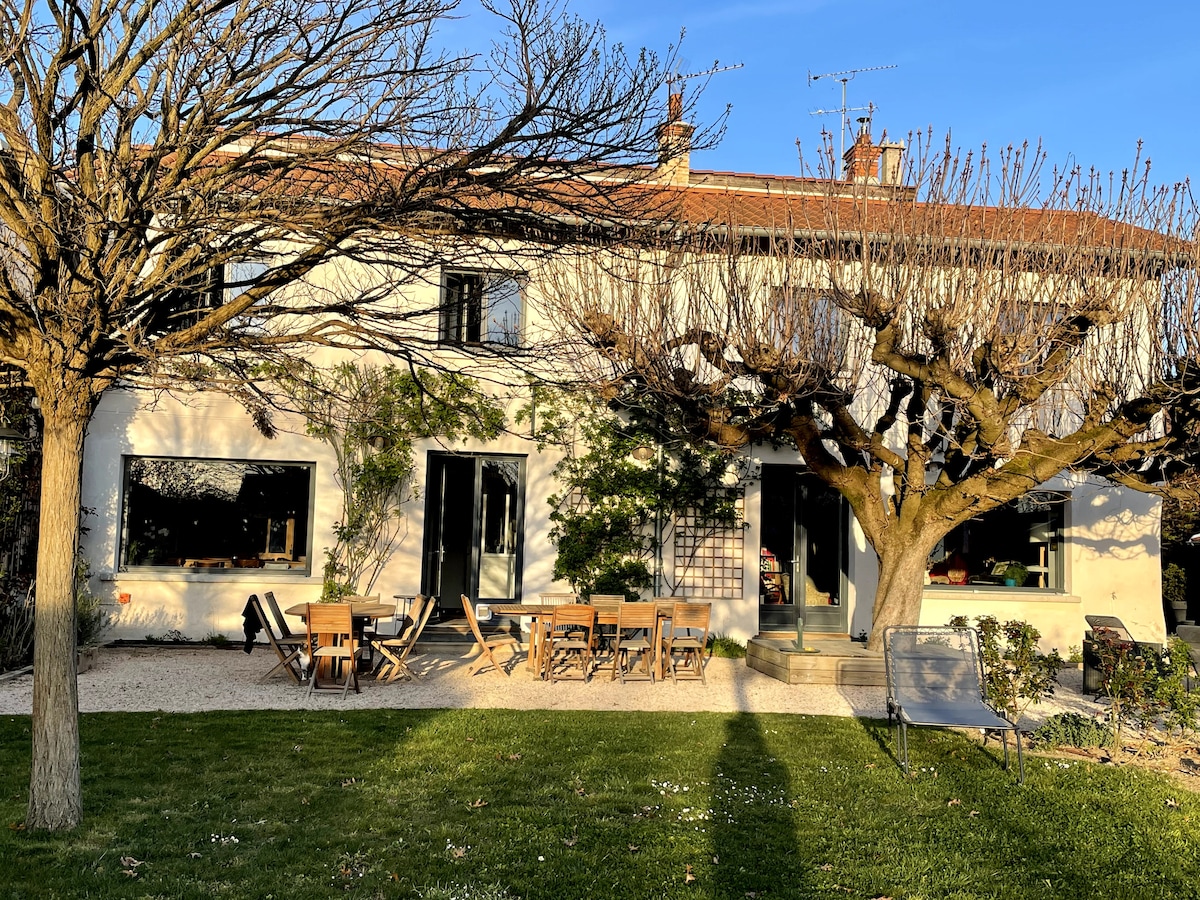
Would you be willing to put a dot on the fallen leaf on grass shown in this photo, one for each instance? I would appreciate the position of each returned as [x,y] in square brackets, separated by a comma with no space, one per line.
[194,855]
[973,813]
[1172,802]
[16,826]
[688,877]
[479,803]
[130,862]
[571,841]
[349,781]
[634,848]
[470,740]
[826,867]
[716,859]
[458,852]
[954,802]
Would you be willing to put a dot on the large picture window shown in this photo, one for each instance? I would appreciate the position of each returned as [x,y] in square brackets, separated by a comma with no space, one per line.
[1016,545]
[215,513]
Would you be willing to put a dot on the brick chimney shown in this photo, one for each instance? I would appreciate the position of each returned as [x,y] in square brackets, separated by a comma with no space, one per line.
[674,145]
[861,161]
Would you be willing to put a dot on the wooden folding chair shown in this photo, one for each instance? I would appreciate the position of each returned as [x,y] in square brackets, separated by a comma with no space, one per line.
[287,637]
[486,656]
[606,604]
[551,598]
[687,636]
[395,650]
[289,655]
[636,623]
[571,633]
[331,632]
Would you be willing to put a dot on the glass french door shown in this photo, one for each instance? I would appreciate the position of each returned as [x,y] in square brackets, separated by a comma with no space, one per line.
[474,536]
[804,557]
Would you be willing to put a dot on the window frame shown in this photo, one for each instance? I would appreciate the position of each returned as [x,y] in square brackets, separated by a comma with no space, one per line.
[461,326]
[303,555]
[1055,556]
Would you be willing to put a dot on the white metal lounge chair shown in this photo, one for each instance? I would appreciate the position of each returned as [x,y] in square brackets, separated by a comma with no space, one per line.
[935,677]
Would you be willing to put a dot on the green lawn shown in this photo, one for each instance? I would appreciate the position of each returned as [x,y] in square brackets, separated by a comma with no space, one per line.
[561,805]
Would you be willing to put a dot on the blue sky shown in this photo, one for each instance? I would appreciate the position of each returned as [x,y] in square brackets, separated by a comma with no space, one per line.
[1088,79]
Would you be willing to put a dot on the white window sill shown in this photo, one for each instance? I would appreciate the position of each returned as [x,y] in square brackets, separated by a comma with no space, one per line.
[206,575]
[997,593]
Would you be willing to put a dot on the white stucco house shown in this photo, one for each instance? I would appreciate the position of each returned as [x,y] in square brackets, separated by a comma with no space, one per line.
[192,509]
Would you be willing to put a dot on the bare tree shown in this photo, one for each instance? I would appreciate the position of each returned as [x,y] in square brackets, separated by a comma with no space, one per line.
[932,351]
[178,176]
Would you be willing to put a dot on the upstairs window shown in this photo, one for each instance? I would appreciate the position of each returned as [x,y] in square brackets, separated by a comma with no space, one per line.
[185,305]
[211,289]
[480,307]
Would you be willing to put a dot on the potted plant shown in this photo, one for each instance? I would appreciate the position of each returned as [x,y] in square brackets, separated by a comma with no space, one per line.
[1015,574]
[1174,589]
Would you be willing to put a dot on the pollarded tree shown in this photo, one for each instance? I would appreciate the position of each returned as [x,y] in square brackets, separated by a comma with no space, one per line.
[178,177]
[932,350]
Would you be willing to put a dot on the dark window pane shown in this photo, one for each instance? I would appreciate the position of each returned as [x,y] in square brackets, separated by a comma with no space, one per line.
[206,513]
[992,548]
[478,306]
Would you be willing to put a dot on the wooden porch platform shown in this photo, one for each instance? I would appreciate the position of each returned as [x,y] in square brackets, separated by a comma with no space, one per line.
[840,661]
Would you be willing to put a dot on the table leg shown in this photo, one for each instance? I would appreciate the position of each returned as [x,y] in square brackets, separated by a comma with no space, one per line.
[535,641]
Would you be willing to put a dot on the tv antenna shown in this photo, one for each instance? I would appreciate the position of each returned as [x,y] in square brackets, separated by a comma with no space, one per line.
[672,80]
[844,77]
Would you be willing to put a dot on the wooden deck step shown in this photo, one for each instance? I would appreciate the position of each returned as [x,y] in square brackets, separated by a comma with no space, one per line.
[843,662]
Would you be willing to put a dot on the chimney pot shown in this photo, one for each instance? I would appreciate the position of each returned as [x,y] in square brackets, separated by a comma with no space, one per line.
[674,107]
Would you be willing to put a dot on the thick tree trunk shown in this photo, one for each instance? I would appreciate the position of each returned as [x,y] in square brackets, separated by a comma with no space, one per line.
[55,800]
[901,584]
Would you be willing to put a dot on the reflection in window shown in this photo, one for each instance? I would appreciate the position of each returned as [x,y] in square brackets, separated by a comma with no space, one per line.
[1015,545]
[480,307]
[499,494]
[215,514]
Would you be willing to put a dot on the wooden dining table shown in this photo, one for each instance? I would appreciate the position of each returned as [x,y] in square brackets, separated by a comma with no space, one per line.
[361,611]
[606,614]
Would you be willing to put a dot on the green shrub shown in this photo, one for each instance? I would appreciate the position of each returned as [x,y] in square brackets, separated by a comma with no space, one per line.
[92,618]
[1125,679]
[1072,730]
[1016,673]
[16,631]
[1173,704]
[1174,584]
[174,636]
[726,647]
